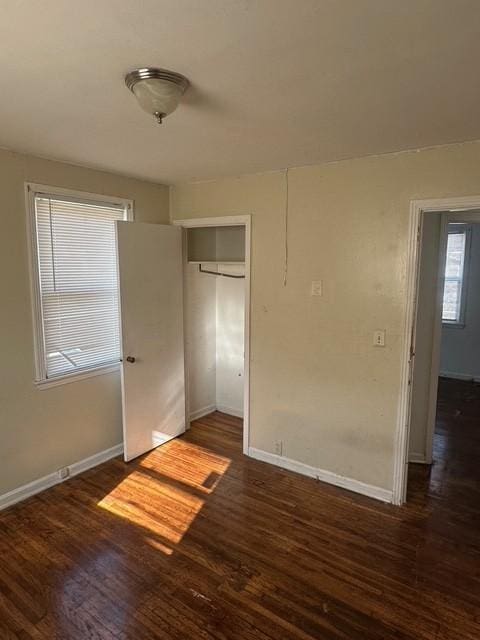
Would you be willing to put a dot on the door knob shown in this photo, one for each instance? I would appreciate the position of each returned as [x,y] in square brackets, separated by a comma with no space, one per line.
[130,359]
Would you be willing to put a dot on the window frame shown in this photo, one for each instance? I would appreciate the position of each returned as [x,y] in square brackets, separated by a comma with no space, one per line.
[31,190]
[460,323]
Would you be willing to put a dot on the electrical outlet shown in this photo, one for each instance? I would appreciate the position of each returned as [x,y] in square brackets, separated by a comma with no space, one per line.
[316,288]
[63,473]
[279,448]
[379,338]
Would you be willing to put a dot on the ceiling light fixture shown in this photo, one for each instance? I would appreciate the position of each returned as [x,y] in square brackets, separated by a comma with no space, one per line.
[158,91]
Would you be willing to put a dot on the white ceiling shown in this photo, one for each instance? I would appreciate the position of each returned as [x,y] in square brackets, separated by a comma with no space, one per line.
[275,83]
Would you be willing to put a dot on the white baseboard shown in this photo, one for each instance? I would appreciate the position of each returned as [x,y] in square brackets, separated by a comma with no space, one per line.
[199,413]
[231,412]
[417,458]
[320,474]
[30,489]
[459,376]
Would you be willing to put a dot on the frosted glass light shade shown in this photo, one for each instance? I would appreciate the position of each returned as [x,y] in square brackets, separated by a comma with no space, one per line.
[157,96]
[158,91]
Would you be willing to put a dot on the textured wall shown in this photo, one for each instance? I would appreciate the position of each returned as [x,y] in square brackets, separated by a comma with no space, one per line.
[317,383]
[42,430]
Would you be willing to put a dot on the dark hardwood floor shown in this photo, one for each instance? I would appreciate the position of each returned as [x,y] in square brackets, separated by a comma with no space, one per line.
[196,541]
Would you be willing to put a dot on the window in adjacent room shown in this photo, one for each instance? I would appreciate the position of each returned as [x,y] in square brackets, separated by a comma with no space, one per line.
[75,281]
[454,292]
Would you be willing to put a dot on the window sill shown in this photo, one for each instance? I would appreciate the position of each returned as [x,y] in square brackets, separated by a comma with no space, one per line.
[75,377]
[453,325]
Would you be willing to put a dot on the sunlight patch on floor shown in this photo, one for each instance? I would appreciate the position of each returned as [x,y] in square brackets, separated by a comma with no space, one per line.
[192,465]
[166,490]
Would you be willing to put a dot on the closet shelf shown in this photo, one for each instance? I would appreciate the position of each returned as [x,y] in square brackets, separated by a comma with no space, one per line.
[216,245]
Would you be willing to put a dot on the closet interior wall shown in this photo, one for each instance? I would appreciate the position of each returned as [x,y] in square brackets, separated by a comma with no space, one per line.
[215,339]
[215,318]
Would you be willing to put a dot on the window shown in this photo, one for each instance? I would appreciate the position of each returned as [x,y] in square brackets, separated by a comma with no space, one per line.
[75,281]
[455,274]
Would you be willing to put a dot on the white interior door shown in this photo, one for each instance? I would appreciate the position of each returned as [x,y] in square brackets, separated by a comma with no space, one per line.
[151,301]
[427,337]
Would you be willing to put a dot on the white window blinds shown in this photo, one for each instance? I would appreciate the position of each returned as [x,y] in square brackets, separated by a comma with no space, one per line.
[78,283]
[454,274]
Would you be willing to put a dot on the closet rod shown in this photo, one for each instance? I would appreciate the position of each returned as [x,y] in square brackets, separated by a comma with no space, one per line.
[219,273]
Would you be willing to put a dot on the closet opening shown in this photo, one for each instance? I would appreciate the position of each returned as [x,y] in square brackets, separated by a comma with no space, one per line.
[216,317]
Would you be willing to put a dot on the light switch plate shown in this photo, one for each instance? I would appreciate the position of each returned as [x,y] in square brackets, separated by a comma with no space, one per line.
[316,289]
[379,338]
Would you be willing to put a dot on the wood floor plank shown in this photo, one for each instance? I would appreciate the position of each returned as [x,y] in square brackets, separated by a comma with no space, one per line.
[194,540]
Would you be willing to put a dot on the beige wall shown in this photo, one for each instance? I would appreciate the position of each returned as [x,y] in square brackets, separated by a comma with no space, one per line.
[317,383]
[200,339]
[43,430]
[230,319]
